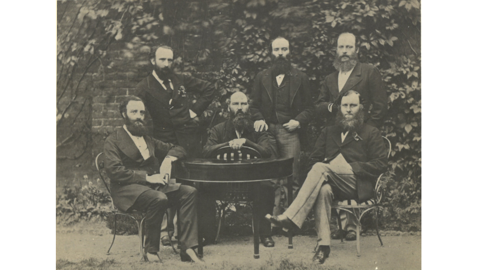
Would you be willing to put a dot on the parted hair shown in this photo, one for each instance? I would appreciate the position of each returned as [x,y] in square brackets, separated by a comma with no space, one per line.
[123,105]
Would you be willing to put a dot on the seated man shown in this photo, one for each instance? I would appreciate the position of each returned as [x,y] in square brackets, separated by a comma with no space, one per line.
[347,159]
[137,181]
[235,132]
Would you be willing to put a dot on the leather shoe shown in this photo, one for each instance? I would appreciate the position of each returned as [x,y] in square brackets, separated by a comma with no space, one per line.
[184,257]
[165,241]
[267,241]
[321,254]
[351,236]
[280,221]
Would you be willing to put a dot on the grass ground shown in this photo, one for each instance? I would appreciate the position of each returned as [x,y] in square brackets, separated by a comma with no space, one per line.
[84,247]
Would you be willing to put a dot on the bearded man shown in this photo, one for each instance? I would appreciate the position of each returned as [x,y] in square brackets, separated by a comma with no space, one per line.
[236,132]
[282,104]
[352,75]
[345,164]
[175,119]
[139,182]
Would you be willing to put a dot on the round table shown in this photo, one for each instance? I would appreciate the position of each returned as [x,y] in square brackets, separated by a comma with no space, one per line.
[243,171]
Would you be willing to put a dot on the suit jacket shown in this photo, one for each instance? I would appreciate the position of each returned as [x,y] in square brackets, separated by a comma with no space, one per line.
[127,169]
[366,80]
[165,116]
[363,149]
[221,134]
[301,104]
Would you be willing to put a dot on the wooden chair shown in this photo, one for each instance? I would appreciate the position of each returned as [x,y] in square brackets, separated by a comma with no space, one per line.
[232,193]
[137,216]
[359,210]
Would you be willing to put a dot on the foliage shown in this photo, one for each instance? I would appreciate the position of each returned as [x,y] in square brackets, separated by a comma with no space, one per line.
[85,202]
[227,43]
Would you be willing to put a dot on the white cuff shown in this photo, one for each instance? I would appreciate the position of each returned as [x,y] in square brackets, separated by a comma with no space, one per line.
[192,114]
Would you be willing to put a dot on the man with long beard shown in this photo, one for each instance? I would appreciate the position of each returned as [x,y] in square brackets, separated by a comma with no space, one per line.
[346,161]
[352,75]
[139,182]
[282,104]
[236,132]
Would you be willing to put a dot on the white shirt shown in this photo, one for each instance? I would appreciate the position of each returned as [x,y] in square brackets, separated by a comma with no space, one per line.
[192,114]
[280,79]
[140,143]
[342,78]
[344,135]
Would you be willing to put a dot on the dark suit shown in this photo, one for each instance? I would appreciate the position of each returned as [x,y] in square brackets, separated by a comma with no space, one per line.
[344,170]
[219,136]
[300,108]
[301,104]
[171,121]
[128,171]
[366,80]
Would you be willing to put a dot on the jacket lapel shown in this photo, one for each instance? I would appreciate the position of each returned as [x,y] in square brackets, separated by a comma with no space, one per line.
[154,88]
[337,137]
[176,84]
[126,145]
[354,79]
[294,85]
[267,83]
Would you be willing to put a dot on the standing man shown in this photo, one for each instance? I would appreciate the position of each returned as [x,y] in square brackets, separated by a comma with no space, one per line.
[164,92]
[345,164]
[352,75]
[282,104]
[236,132]
[175,120]
[138,181]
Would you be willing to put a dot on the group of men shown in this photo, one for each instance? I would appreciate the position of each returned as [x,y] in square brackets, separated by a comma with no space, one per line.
[346,158]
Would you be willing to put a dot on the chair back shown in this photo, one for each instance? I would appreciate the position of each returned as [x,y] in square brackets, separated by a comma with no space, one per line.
[100,165]
[378,189]
[228,154]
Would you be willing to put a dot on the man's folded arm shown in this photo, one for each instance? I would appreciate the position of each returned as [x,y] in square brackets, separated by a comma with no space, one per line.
[115,169]
[206,91]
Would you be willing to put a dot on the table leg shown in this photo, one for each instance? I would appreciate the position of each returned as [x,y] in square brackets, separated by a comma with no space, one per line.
[200,235]
[256,221]
[290,200]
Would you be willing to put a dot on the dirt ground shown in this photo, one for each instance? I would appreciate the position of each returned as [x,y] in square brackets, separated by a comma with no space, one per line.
[85,246]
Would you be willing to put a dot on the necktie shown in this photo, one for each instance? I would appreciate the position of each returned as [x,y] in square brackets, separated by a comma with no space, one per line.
[167,85]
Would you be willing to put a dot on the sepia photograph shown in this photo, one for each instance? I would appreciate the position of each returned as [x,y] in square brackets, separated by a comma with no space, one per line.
[238,134]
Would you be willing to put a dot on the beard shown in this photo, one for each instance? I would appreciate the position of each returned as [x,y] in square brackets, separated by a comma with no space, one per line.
[241,120]
[350,124]
[136,127]
[164,73]
[345,65]
[280,65]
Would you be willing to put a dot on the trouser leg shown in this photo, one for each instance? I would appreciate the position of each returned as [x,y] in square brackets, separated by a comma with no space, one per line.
[323,210]
[307,195]
[208,211]
[266,207]
[185,199]
[154,203]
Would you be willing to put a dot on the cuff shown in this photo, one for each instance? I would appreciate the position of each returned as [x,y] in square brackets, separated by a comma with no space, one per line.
[192,114]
